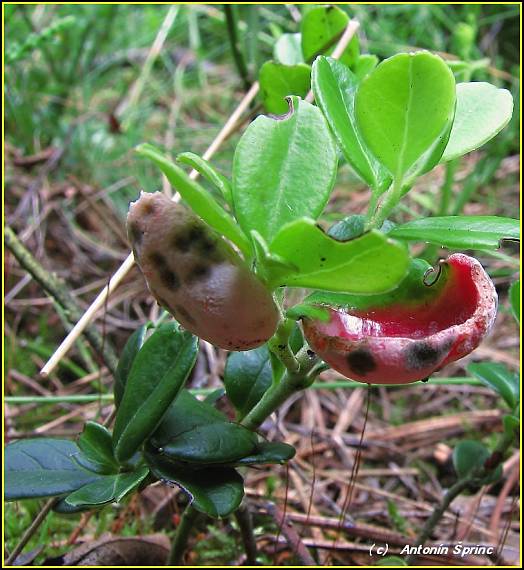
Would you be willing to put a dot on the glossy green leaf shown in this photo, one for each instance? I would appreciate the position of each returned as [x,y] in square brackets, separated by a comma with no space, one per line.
[514,299]
[247,376]
[43,468]
[499,378]
[469,456]
[96,444]
[185,414]
[288,49]
[411,289]
[220,442]
[269,452]
[133,345]
[209,172]
[277,81]
[460,232]
[483,110]
[321,28]
[392,561]
[369,264]
[511,425]
[405,110]
[335,86]
[348,228]
[364,65]
[283,169]
[157,375]
[107,489]
[200,201]
[215,491]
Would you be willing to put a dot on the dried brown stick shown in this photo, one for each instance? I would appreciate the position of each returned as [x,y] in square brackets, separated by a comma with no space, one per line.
[291,535]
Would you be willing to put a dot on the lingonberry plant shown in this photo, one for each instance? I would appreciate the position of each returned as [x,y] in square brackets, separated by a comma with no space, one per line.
[222,262]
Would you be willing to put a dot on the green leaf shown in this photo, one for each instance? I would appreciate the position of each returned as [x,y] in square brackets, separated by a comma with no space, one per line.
[460,232]
[348,228]
[43,468]
[247,376]
[277,81]
[499,378]
[405,110]
[285,167]
[96,444]
[469,456]
[215,491]
[511,425]
[364,65]
[269,452]
[483,110]
[183,415]
[514,299]
[368,264]
[288,49]
[209,172]
[200,201]
[321,29]
[133,345]
[391,561]
[108,489]
[195,432]
[335,86]
[411,290]
[157,375]
[220,442]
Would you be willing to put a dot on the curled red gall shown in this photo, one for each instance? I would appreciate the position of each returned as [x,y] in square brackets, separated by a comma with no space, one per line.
[408,341]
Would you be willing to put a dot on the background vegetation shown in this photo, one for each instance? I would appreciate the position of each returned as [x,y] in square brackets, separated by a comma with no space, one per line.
[83,87]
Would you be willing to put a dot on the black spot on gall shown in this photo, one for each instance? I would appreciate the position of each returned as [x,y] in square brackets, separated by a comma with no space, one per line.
[197,272]
[135,233]
[421,355]
[361,361]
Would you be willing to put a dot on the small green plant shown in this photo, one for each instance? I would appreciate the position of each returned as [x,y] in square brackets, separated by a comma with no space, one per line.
[222,270]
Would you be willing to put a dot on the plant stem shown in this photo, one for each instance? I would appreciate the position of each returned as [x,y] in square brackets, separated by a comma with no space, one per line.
[389,201]
[245,523]
[280,391]
[447,188]
[473,479]
[59,292]
[182,533]
[279,345]
[235,49]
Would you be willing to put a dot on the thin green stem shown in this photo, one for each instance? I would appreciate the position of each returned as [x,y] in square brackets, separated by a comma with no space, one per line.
[446,191]
[279,392]
[235,47]
[279,345]
[389,200]
[182,533]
